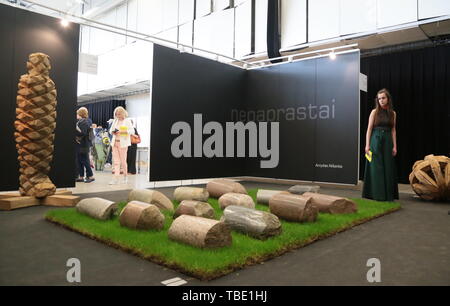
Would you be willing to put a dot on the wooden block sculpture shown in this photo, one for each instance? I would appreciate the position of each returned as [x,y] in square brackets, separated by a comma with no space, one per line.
[141,216]
[430,178]
[18,202]
[61,198]
[200,232]
[292,207]
[301,189]
[194,208]
[97,208]
[255,223]
[331,204]
[191,193]
[152,197]
[35,125]
[217,188]
[263,195]
[237,199]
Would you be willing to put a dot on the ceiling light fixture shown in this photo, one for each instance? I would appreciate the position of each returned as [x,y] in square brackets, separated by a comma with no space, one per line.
[64,22]
[332,55]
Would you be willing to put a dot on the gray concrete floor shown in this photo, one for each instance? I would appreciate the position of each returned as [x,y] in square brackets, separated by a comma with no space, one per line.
[412,245]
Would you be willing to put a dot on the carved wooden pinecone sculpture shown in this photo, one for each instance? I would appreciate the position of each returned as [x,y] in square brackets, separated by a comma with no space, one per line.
[430,178]
[35,124]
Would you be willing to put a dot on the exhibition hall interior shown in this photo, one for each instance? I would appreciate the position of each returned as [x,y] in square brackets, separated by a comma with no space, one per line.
[225,143]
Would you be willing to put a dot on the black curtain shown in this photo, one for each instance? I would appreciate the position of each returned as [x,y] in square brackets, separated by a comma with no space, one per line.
[419,82]
[273,30]
[101,112]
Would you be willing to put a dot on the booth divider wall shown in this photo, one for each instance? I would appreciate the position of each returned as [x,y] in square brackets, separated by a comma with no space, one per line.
[315,101]
[184,85]
[22,33]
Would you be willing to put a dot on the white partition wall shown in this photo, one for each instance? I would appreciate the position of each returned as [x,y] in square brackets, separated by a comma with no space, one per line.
[150,17]
[260,26]
[185,11]
[391,13]
[170,14]
[215,33]
[358,16]
[243,29]
[433,8]
[323,19]
[203,8]
[121,22]
[170,35]
[219,5]
[293,22]
[132,18]
[185,33]
[301,22]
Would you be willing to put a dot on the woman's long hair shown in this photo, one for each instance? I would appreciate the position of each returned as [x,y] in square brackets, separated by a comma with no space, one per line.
[390,109]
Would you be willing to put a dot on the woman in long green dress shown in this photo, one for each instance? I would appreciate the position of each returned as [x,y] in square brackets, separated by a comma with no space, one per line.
[380,177]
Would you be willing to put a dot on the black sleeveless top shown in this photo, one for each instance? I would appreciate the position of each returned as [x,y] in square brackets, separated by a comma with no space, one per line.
[383,119]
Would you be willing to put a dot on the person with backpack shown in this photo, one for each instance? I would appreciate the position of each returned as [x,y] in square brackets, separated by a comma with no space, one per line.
[83,133]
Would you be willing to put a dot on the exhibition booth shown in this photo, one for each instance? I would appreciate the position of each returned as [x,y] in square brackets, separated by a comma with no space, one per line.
[300,120]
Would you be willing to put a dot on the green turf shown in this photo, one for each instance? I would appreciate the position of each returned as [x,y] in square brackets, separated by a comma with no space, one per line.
[207,263]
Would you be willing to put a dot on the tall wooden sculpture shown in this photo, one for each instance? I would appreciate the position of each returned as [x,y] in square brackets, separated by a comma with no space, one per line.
[35,125]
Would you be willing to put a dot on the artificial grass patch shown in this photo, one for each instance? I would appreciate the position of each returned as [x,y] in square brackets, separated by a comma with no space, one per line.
[207,264]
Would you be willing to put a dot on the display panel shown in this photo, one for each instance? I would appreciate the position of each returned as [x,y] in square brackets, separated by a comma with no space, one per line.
[23,32]
[297,120]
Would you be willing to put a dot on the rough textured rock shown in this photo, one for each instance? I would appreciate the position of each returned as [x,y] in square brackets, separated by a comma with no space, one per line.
[97,208]
[237,199]
[200,232]
[217,188]
[430,178]
[35,125]
[263,195]
[255,223]
[141,216]
[301,189]
[191,193]
[194,208]
[292,207]
[152,197]
[331,204]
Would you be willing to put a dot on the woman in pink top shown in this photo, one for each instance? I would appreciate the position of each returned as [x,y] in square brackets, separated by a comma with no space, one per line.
[121,129]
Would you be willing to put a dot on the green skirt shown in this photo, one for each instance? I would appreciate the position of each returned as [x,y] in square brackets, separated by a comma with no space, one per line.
[380,177]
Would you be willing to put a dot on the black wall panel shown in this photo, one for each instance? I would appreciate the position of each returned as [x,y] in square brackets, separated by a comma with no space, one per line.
[336,152]
[316,103]
[281,90]
[22,33]
[184,85]
[320,142]
[8,153]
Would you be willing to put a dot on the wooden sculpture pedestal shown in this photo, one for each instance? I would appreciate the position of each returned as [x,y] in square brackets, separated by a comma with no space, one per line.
[13,200]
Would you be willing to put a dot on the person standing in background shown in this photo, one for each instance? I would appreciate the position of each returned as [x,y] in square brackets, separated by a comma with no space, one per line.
[121,129]
[380,177]
[83,145]
[131,155]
